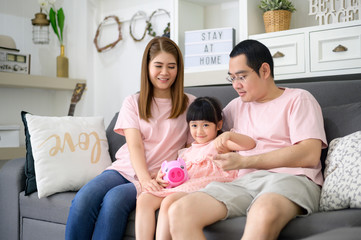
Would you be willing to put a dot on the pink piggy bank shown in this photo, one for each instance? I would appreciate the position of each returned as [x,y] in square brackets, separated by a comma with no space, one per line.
[175,172]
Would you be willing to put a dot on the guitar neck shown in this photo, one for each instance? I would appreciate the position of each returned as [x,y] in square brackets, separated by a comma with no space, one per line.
[78,91]
[71,109]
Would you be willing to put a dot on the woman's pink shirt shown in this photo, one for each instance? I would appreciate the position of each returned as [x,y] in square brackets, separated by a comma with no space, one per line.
[162,137]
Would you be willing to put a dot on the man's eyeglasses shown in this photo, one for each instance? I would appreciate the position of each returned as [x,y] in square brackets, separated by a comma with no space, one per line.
[240,78]
[231,79]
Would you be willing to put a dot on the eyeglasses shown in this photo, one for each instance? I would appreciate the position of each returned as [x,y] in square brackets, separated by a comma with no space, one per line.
[240,78]
[230,79]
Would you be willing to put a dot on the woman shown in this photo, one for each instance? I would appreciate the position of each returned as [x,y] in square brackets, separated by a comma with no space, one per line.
[153,122]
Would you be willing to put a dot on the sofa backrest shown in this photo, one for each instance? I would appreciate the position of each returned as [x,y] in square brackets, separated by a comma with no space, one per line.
[114,139]
[340,102]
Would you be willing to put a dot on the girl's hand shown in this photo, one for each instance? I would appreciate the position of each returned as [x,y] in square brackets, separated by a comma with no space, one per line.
[220,142]
[150,185]
[160,179]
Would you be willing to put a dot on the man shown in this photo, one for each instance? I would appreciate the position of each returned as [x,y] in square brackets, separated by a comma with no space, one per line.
[281,177]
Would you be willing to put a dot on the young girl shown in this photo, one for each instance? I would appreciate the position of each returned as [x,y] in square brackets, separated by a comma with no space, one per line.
[153,122]
[204,117]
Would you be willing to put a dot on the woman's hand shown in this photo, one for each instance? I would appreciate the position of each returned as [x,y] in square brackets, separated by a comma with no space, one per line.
[150,185]
[139,163]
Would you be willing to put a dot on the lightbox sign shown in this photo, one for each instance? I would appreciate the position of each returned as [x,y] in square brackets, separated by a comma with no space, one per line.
[208,47]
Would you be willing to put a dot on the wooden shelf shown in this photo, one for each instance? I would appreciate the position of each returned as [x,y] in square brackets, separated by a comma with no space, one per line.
[11,153]
[19,80]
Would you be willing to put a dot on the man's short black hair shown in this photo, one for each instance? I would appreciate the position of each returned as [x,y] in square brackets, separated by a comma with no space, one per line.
[256,54]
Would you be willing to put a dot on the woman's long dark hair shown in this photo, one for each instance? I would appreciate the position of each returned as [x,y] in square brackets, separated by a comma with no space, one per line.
[179,99]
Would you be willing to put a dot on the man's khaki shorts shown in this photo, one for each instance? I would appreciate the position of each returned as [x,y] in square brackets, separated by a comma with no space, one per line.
[239,195]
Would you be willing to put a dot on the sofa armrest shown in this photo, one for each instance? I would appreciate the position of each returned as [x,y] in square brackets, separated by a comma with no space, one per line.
[12,182]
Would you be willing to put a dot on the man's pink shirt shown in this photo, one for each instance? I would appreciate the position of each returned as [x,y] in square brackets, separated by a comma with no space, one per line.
[281,122]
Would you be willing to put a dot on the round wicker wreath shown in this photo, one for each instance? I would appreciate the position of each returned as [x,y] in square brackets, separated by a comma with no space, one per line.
[110,45]
[166,31]
[139,13]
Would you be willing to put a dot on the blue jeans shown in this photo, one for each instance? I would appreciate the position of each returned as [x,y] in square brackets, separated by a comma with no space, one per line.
[101,208]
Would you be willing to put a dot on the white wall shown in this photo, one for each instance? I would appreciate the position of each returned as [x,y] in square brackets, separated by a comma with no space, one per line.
[118,71]
[111,75]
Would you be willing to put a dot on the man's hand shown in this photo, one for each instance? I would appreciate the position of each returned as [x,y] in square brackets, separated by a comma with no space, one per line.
[229,161]
[305,154]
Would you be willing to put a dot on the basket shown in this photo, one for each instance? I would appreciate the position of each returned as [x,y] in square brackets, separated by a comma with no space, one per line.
[277,20]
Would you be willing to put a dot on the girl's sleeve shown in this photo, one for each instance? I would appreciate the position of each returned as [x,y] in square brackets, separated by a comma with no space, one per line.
[128,115]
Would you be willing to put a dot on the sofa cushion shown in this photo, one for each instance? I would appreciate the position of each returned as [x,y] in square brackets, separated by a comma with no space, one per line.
[54,208]
[297,228]
[342,120]
[342,174]
[319,222]
[41,230]
[349,233]
[67,151]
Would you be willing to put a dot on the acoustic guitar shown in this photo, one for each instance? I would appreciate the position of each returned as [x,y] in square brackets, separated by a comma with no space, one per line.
[78,92]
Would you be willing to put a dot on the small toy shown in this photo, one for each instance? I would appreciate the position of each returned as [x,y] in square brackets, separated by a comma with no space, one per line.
[175,172]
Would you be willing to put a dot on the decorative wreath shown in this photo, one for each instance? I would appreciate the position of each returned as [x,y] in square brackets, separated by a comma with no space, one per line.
[110,45]
[166,31]
[142,14]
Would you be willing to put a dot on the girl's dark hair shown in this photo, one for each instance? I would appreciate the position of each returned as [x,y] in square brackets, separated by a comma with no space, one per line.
[205,108]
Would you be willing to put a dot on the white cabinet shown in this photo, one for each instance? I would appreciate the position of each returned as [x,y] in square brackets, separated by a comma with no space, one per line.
[287,52]
[336,49]
[315,51]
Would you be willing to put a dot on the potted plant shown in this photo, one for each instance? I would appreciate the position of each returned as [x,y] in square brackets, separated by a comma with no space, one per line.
[277,14]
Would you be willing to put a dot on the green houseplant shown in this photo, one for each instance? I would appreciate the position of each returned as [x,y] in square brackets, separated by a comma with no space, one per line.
[57,19]
[277,14]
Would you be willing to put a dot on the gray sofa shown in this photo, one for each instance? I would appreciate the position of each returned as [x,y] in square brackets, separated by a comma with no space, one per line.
[27,217]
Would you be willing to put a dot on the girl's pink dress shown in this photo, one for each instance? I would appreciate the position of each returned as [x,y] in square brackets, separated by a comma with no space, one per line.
[201,170]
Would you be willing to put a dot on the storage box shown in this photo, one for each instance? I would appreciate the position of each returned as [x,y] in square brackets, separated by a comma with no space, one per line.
[208,47]
[9,136]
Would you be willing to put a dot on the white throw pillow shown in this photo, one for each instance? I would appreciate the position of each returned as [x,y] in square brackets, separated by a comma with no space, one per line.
[342,186]
[68,151]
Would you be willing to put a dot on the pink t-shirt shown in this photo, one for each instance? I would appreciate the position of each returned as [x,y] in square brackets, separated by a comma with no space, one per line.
[162,137]
[201,170]
[282,122]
